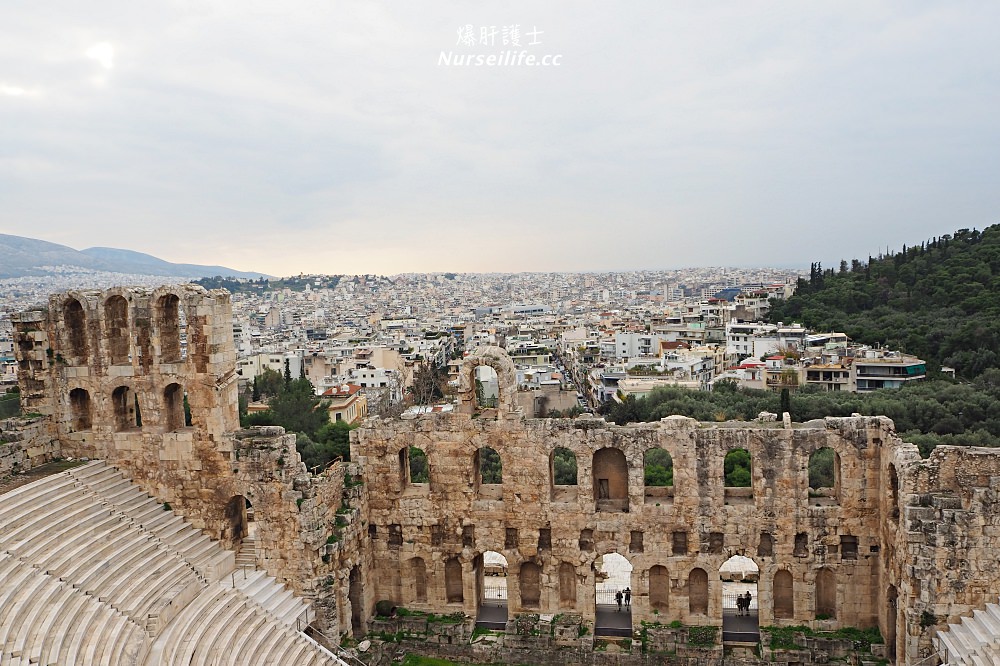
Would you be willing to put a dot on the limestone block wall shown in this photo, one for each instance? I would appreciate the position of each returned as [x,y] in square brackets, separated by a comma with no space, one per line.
[429,538]
[945,520]
[25,443]
[113,371]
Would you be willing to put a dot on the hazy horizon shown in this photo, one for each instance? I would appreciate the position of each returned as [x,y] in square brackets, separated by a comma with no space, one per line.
[346,139]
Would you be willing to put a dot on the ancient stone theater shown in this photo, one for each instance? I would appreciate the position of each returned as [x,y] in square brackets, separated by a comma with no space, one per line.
[140,525]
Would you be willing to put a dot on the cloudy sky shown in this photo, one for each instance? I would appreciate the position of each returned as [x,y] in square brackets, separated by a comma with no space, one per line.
[343,137]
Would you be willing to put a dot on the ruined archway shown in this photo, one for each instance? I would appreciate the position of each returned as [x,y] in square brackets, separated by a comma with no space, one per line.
[739,576]
[530,582]
[117,329]
[125,405]
[783,591]
[826,595]
[168,321]
[236,525]
[563,475]
[610,471]
[417,580]
[613,595]
[79,403]
[491,589]
[659,588]
[824,477]
[497,359]
[698,591]
[173,407]
[489,473]
[658,476]
[453,584]
[567,585]
[75,323]
[487,387]
[738,477]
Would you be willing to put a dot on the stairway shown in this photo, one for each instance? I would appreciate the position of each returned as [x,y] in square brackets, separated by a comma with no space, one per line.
[975,641]
[247,555]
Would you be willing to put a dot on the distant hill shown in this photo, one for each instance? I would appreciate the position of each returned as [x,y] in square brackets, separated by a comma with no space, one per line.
[21,256]
[939,300]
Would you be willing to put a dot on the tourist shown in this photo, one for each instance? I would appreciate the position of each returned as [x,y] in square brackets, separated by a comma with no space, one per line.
[628,596]
[618,598]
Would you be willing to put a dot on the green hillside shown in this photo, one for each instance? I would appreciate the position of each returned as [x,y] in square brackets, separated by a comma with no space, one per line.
[939,300]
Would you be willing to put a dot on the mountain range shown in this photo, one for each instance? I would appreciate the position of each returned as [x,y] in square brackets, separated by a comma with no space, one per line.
[20,256]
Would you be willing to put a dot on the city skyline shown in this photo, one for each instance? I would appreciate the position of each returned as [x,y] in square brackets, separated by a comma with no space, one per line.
[347,139]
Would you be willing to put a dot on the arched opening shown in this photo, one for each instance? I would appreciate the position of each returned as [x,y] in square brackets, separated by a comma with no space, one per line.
[739,576]
[530,580]
[562,471]
[173,407]
[116,325]
[826,595]
[784,595]
[418,468]
[824,477]
[75,322]
[453,583]
[168,318]
[893,492]
[658,476]
[417,580]
[489,473]
[698,592]
[126,409]
[567,585]
[487,387]
[738,477]
[237,525]
[79,403]
[610,480]
[491,588]
[659,588]
[613,595]
[891,601]
[355,595]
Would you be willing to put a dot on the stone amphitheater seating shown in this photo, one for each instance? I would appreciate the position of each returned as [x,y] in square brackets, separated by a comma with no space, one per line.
[95,571]
[975,641]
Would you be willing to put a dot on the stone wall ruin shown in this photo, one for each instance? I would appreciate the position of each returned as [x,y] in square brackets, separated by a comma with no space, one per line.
[898,542]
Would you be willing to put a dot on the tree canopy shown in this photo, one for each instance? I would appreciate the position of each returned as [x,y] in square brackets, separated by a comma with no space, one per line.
[294,405]
[939,300]
[925,413]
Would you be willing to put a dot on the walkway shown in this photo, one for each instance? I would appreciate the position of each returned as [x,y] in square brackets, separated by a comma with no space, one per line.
[609,621]
[740,628]
[492,616]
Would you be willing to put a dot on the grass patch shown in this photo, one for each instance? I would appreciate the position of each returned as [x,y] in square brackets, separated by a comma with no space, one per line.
[702,636]
[783,638]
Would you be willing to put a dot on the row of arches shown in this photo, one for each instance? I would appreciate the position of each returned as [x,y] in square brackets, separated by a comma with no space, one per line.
[168,319]
[126,413]
[610,471]
[527,577]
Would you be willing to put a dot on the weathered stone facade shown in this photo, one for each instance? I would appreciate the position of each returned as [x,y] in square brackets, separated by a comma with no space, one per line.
[115,373]
[898,542]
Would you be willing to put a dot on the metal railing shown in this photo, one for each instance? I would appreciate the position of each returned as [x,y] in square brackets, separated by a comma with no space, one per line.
[729,602]
[494,592]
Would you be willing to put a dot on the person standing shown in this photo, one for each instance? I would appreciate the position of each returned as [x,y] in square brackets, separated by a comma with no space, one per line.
[628,597]
[618,599]
[746,602]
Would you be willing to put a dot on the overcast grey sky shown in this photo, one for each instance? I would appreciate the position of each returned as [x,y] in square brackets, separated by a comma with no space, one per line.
[335,137]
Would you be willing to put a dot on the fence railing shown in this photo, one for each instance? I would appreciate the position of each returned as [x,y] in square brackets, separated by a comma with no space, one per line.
[494,592]
[729,602]
[607,597]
